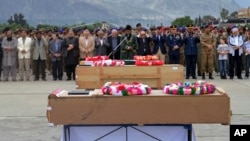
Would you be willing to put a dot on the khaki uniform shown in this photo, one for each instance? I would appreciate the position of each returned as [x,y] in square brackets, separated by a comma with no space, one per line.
[207,55]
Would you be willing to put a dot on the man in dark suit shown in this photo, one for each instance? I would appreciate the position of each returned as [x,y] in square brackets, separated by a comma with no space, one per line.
[113,41]
[71,46]
[159,48]
[56,50]
[143,44]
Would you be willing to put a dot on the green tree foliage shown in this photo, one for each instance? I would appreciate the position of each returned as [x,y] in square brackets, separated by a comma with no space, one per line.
[224,13]
[182,21]
[18,19]
[208,19]
[234,14]
[45,26]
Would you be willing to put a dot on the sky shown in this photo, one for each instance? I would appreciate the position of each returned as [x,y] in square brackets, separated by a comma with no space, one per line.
[243,3]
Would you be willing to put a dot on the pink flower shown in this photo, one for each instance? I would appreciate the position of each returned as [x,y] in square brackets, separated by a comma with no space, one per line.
[175,91]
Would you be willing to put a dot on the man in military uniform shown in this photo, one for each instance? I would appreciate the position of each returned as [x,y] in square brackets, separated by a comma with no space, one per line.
[208,42]
[199,32]
[174,43]
[190,40]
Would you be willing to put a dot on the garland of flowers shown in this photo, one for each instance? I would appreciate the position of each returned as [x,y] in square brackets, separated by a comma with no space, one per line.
[122,89]
[196,88]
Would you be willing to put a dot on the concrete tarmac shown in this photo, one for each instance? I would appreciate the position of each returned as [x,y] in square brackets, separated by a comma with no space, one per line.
[23,110]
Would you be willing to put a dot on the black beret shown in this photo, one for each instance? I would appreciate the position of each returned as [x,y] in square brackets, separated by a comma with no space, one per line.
[138,24]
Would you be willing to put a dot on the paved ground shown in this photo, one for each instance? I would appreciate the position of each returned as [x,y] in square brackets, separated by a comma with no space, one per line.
[23,109]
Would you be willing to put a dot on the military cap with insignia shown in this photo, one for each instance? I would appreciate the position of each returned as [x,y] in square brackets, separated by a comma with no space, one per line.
[173,27]
[190,26]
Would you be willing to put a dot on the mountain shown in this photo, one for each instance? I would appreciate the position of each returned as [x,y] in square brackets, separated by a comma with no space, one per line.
[121,12]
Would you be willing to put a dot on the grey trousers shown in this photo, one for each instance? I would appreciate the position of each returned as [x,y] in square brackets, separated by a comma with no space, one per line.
[7,70]
[24,67]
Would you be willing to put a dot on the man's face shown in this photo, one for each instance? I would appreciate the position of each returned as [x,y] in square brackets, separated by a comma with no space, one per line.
[114,33]
[71,34]
[138,27]
[54,37]
[86,33]
[128,32]
[38,35]
[23,34]
[235,33]
[173,30]
[207,30]
[9,34]
[189,30]
[100,34]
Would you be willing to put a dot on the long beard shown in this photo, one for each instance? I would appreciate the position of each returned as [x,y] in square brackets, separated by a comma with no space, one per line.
[128,36]
[9,38]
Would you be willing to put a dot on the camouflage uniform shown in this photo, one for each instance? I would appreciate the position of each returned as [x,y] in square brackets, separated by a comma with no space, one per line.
[207,55]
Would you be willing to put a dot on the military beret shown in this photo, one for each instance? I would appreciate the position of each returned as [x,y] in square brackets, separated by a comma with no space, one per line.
[196,28]
[138,24]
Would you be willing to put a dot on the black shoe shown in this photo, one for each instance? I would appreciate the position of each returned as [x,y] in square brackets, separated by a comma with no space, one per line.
[225,77]
[68,79]
[210,76]
[44,79]
[36,79]
[187,77]
[203,76]
[194,77]
[199,74]
[54,79]
[240,77]
[60,79]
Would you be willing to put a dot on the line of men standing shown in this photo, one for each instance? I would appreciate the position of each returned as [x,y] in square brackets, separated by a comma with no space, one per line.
[64,51]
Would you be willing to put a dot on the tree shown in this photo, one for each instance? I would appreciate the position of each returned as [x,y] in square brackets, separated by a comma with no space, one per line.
[224,13]
[10,20]
[18,19]
[45,26]
[234,14]
[182,21]
[208,19]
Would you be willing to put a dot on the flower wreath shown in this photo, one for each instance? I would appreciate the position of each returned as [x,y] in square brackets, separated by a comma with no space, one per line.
[122,89]
[196,88]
